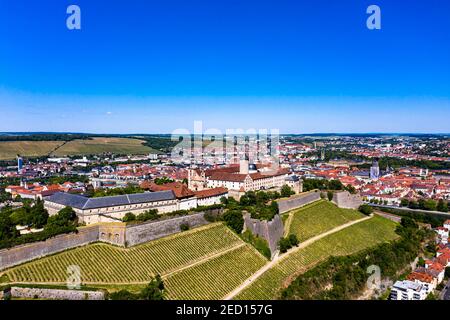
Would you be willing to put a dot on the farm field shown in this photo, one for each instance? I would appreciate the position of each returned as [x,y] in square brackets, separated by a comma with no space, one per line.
[320,217]
[106,264]
[10,149]
[215,278]
[101,145]
[345,242]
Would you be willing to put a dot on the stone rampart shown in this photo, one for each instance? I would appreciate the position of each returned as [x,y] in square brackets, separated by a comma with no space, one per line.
[298,201]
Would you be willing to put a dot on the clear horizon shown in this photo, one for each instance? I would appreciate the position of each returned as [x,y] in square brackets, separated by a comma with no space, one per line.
[153,67]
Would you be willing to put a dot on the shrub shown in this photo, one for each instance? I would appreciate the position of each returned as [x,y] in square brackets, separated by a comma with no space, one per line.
[123,295]
[365,209]
[129,217]
[184,226]
[148,215]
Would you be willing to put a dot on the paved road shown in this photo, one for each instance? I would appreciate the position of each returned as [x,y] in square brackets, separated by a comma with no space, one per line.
[389,216]
[408,209]
[278,258]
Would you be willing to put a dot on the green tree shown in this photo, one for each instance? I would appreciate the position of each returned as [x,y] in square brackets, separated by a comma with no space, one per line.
[293,240]
[286,191]
[442,206]
[234,220]
[284,244]
[429,205]
[335,185]
[350,189]
[64,217]
[421,262]
[39,215]
[404,202]
[7,228]
[154,290]
[330,195]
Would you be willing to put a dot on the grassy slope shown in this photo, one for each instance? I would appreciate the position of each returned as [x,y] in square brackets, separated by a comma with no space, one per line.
[320,217]
[105,263]
[10,149]
[348,241]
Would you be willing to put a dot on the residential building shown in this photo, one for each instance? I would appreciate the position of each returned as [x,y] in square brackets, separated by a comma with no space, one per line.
[408,290]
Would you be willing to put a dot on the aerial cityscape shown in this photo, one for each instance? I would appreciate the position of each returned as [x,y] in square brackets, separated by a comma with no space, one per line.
[231,152]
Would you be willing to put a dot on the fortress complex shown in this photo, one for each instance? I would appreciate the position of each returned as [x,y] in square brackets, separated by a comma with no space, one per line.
[114,208]
[241,178]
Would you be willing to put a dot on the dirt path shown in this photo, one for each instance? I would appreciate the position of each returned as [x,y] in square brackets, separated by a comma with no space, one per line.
[277,258]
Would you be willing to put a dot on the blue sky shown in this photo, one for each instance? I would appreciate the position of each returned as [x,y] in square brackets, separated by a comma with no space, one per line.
[154,66]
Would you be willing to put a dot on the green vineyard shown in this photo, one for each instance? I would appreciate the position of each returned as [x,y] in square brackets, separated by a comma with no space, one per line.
[103,263]
[348,241]
[320,217]
[215,278]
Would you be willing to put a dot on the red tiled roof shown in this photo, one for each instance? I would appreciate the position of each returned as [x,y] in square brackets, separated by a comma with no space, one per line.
[225,176]
[179,189]
[211,192]
[423,277]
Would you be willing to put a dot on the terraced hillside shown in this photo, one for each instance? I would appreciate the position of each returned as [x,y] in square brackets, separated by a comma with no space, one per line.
[215,278]
[345,242]
[319,217]
[103,263]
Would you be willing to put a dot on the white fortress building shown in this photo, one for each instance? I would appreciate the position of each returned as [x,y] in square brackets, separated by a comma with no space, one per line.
[241,178]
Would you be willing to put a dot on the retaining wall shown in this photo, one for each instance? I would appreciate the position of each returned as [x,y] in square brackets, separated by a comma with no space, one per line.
[272,231]
[114,233]
[57,294]
[30,251]
[136,234]
[297,201]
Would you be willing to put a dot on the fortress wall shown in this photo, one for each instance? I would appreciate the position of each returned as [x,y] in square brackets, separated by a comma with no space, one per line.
[298,201]
[114,233]
[57,294]
[345,199]
[136,234]
[272,231]
[26,252]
